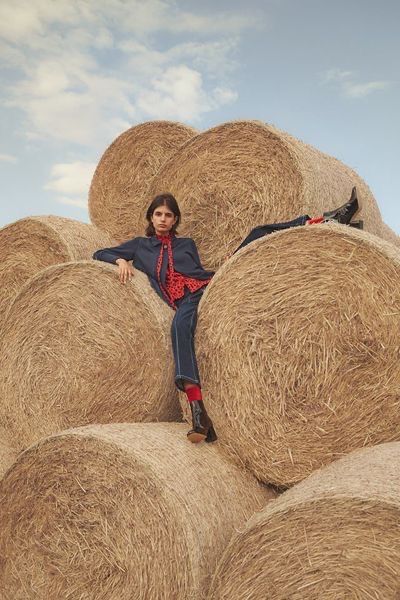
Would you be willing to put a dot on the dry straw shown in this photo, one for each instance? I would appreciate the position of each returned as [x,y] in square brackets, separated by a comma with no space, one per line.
[78,347]
[34,243]
[117,197]
[7,454]
[116,512]
[334,536]
[242,174]
[390,235]
[298,346]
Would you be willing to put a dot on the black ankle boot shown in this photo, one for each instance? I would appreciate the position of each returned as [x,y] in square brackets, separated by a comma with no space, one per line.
[203,428]
[344,213]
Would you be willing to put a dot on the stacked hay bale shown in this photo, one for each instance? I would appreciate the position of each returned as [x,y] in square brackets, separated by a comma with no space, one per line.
[119,512]
[34,243]
[390,235]
[241,174]
[78,348]
[118,193]
[298,345]
[333,536]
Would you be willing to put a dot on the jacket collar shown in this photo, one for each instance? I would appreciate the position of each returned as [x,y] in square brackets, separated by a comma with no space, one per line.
[154,241]
[157,242]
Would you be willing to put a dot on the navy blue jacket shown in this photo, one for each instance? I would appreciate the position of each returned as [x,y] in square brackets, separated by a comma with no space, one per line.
[144,252]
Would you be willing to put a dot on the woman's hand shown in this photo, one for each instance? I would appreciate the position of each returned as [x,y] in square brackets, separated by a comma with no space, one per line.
[125,270]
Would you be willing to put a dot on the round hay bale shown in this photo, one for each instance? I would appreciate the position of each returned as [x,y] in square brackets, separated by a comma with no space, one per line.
[117,196]
[80,348]
[238,175]
[298,349]
[34,243]
[334,536]
[116,512]
[390,235]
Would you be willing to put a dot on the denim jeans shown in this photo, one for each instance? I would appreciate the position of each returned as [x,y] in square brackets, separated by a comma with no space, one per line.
[262,230]
[182,333]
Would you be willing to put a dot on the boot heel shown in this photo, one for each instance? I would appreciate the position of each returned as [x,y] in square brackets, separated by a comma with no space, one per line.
[195,436]
[357,224]
[211,435]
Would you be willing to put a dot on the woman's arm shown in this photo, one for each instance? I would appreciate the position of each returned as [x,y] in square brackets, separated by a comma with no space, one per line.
[126,251]
[120,255]
[195,254]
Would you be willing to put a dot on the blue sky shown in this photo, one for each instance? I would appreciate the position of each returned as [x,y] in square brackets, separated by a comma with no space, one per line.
[76,73]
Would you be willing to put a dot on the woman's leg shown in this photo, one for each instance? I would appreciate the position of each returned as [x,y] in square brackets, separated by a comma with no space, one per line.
[342,215]
[182,332]
[263,230]
[186,370]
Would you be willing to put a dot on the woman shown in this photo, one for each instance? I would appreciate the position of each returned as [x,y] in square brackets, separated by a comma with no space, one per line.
[173,267]
[176,274]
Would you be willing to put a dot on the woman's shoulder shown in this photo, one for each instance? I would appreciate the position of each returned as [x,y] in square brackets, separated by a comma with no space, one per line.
[184,240]
[143,239]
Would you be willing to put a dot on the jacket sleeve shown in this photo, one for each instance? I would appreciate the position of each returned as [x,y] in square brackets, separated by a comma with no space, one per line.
[195,253]
[197,261]
[127,250]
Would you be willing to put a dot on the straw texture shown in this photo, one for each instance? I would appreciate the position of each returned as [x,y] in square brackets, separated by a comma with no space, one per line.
[78,347]
[117,197]
[34,243]
[390,235]
[238,175]
[334,536]
[117,512]
[298,349]
[7,454]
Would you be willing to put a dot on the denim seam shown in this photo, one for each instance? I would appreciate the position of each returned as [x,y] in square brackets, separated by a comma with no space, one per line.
[192,342]
[177,347]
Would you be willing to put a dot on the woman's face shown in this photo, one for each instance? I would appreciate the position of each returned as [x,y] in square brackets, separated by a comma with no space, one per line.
[163,220]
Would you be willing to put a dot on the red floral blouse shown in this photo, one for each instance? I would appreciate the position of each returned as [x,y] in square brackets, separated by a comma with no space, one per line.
[175,282]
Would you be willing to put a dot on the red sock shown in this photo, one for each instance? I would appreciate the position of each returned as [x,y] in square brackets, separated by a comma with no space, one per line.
[194,393]
[315,220]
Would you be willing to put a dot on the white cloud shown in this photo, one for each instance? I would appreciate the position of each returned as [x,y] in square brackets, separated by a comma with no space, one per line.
[359,90]
[69,100]
[346,82]
[71,182]
[223,22]
[80,203]
[18,20]
[336,75]
[214,58]
[8,158]
[142,18]
[22,21]
[11,57]
[224,95]
[179,94]
[71,178]
[26,21]
[88,70]
[176,94]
